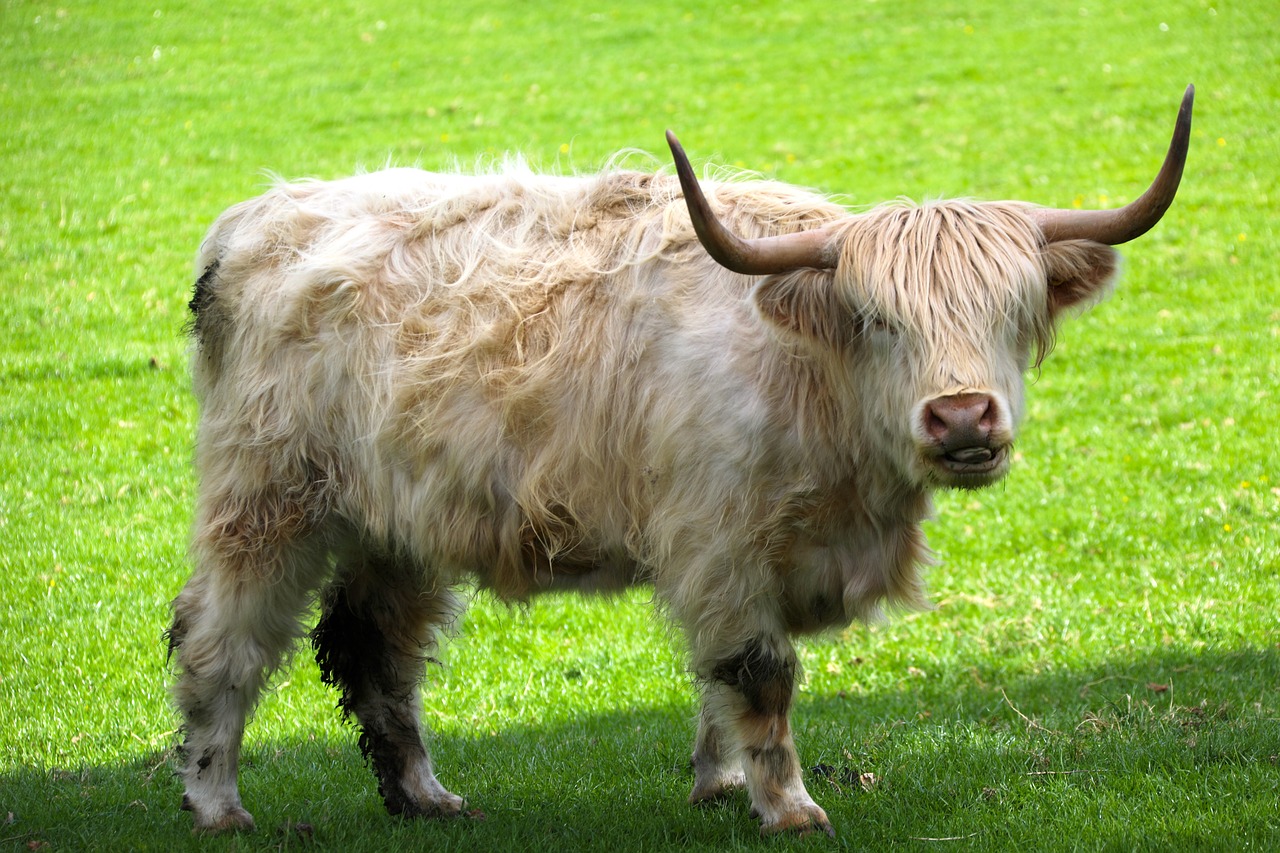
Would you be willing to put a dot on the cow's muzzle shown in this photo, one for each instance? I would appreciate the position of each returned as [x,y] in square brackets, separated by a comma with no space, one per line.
[965,438]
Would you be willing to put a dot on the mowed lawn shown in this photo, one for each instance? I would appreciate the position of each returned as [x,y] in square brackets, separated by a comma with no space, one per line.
[1102,667]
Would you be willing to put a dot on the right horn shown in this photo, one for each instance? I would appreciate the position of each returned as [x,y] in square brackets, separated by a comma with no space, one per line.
[1123,224]
[759,256]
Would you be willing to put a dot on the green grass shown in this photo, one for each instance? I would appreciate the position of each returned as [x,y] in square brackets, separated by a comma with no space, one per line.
[1101,671]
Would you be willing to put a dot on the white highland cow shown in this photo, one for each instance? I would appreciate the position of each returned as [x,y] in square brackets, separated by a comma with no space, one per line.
[409,380]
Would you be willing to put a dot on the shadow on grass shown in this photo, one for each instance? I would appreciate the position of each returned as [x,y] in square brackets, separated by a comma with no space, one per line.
[1109,757]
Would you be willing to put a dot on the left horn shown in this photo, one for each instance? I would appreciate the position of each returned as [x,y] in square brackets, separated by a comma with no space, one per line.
[760,256]
[1123,224]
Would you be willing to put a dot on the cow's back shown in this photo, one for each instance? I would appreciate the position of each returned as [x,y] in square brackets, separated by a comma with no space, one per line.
[500,372]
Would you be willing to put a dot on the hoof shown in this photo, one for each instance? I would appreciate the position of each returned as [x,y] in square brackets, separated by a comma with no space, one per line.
[707,794]
[235,820]
[716,788]
[809,821]
[448,806]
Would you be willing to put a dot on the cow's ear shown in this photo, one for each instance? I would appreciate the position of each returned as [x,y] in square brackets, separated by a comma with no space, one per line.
[1080,272]
[805,303]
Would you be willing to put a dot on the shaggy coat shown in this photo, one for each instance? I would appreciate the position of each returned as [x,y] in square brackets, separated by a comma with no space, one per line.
[409,380]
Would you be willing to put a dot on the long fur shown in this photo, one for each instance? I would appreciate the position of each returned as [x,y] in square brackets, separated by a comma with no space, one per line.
[456,359]
[543,382]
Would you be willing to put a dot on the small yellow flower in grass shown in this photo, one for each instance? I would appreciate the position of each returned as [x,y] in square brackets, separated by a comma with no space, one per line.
[1222,143]
[1241,237]
[444,137]
[564,148]
[1227,528]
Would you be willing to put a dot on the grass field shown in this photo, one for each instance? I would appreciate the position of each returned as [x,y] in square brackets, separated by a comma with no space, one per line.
[1102,669]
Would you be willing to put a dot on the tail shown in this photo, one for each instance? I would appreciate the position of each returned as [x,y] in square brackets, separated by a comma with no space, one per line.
[210,315]
[203,304]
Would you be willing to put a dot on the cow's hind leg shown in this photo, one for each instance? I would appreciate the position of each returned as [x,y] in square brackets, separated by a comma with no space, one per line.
[257,565]
[378,626]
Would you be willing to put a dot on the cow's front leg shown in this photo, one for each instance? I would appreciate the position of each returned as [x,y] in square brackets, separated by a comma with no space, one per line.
[747,694]
[717,759]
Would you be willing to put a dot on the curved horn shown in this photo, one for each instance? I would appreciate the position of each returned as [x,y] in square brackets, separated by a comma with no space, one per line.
[761,256]
[1123,224]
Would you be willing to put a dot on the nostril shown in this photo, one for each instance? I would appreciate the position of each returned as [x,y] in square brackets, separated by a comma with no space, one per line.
[987,415]
[934,424]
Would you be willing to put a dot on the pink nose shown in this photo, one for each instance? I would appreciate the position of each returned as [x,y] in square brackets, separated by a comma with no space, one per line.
[961,420]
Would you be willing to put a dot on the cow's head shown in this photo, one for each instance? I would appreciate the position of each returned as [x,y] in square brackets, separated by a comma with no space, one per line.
[938,309]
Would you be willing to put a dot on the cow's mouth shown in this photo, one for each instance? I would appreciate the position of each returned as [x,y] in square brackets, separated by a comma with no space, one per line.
[972,466]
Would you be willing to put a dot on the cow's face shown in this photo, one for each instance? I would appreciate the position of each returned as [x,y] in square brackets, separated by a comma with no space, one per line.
[933,314]
[936,310]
